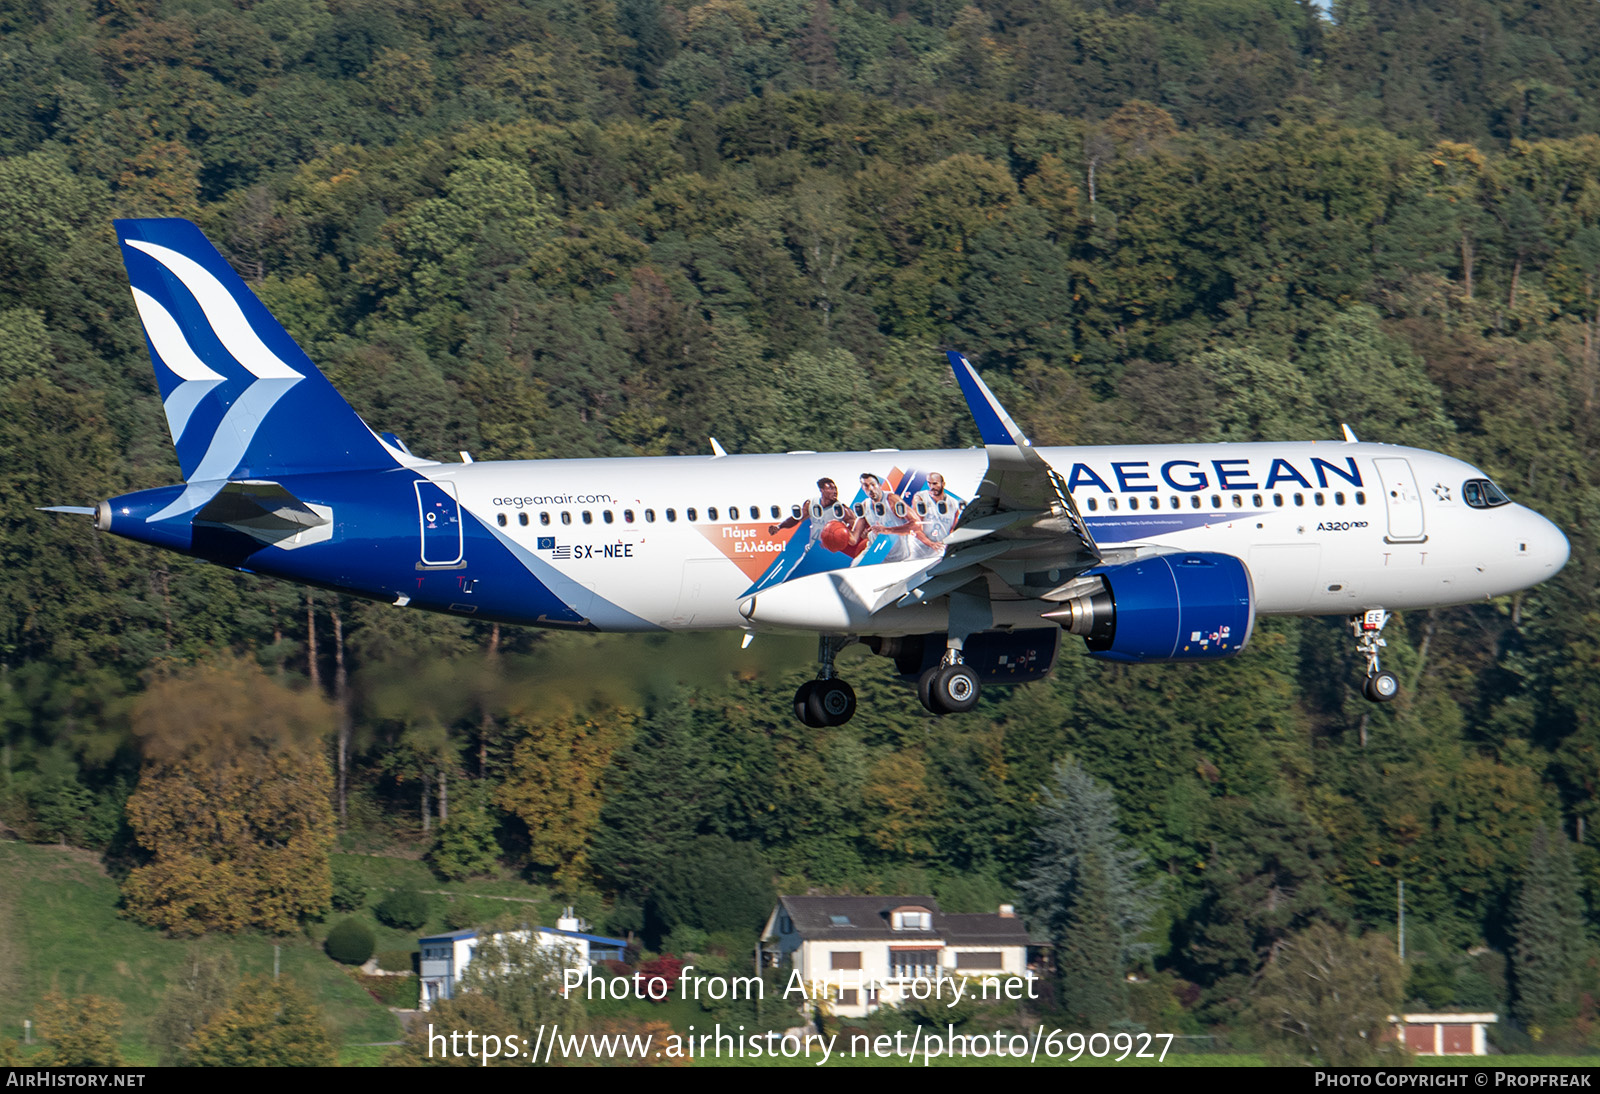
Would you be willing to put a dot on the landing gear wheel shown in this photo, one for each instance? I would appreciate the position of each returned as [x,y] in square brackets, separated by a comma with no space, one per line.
[955,687]
[1382,687]
[925,691]
[802,703]
[832,703]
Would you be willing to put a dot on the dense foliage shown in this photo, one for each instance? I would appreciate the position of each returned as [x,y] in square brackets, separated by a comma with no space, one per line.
[549,228]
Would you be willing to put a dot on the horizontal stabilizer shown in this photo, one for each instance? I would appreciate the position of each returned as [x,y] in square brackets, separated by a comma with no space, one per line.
[261,510]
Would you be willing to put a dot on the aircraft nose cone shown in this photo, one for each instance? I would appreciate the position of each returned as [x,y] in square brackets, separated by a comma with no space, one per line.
[1547,546]
[1557,549]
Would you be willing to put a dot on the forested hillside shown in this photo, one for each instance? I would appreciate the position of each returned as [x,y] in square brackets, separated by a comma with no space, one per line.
[547,228]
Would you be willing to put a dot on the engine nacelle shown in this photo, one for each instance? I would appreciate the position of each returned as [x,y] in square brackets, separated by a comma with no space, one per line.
[998,657]
[1181,607]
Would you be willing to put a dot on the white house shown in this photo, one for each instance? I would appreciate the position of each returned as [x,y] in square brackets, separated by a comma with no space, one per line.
[445,957]
[874,950]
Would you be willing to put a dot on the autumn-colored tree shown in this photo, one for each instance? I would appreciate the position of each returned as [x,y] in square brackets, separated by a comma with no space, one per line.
[267,1023]
[82,1031]
[555,785]
[233,804]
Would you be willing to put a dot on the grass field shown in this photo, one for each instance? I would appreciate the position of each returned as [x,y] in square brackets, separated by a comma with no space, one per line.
[60,930]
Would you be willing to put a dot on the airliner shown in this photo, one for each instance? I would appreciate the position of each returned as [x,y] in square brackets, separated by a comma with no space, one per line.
[962,567]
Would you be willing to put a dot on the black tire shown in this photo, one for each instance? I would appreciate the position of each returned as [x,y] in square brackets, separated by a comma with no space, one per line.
[956,688]
[1383,687]
[802,703]
[925,691]
[831,703]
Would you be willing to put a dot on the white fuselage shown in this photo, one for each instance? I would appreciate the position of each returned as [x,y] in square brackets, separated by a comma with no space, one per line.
[1324,528]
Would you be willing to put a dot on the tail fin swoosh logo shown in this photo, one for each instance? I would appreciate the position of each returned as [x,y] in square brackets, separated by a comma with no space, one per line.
[173,350]
[222,311]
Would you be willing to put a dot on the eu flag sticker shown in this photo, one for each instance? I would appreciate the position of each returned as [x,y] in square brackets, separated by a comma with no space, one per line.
[547,543]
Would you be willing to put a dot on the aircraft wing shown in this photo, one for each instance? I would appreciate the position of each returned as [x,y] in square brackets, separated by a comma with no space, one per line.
[1020,531]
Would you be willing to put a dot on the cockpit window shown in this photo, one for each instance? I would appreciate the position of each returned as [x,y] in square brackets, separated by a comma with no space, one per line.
[1482,494]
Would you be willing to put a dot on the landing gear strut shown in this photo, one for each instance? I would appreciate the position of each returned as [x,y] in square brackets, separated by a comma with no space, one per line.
[1381,685]
[827,700]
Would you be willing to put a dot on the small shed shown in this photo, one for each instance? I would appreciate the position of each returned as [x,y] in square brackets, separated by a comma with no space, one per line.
[1445,1033]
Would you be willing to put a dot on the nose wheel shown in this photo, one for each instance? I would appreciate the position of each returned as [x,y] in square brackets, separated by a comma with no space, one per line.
[827,700]
[1381,685]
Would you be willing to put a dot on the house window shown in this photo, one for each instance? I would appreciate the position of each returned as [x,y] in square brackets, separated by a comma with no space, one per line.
[913,919]
[909,964]
[970,960]
[846,959]
[849,997]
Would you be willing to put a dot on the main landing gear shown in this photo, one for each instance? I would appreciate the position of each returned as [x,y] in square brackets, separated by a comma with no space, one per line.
[1381,685]
[950,687]
[827,700]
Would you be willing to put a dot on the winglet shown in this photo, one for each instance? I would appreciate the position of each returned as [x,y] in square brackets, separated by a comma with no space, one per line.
[1349,434]
[994,424]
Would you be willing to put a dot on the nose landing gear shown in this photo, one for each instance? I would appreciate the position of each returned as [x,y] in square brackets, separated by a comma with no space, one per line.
[1380,685]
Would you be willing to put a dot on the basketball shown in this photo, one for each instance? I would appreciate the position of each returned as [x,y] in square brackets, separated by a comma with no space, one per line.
[836,538]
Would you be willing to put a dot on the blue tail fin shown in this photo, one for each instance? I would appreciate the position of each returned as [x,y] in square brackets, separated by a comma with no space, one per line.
[242,400]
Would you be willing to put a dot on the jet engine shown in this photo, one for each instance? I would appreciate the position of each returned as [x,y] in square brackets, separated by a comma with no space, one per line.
[1178,607]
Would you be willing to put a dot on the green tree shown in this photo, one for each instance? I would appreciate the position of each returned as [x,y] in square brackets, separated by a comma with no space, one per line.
[523,977]
[192,1001]
[1329,996]
[267,1023]
[1088,892]
[1547,925]
[466,845]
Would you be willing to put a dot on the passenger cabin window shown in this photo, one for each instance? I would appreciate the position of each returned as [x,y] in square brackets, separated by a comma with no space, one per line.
[1482,494]
[1317,497]
[649,516]
[1277,499]
[1299,499]
[1361,497]
[566,517]
[1133,503]
[691,514]
[606,516]
[711,513]
[1238,501]
[500,519]
[627,516]
[1338,497]
[522,519]
[1255,499]
[777,512]
[1216,501]
[1093,505]
[588,517]
[1194,501]
[544,518]
[672,515]
[1111,504]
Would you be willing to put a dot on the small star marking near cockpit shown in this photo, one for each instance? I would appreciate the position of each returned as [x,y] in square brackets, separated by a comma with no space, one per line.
[1441,491]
